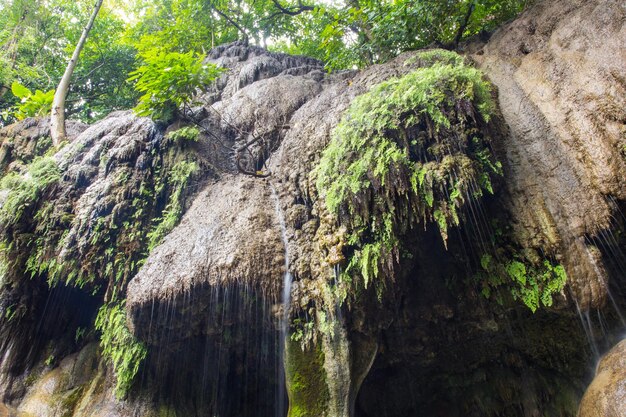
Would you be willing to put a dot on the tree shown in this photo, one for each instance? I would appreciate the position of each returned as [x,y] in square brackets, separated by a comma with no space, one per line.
[39,37]
[346,34]
[57,122]
[26,27]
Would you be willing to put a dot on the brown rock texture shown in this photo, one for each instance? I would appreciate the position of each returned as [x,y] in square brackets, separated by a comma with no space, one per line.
[560,73]
[606,396]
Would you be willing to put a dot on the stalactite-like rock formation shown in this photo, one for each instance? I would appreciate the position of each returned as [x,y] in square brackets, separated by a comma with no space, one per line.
[437,324]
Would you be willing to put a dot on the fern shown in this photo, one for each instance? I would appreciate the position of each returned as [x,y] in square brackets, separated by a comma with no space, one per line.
[119,347]
[179,176]
[535,284]
[407,151]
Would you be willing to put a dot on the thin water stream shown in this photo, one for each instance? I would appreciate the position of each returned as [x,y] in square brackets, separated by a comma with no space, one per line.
[286,302]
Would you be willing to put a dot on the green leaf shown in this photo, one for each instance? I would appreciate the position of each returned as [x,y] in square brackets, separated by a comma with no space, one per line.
[517,271]
[20,91]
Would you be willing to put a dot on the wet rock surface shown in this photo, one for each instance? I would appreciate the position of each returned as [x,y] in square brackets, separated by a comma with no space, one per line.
[606,395]
[207,299]
[559,70]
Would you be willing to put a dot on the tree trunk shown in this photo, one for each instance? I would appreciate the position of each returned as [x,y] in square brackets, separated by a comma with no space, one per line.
[57,122]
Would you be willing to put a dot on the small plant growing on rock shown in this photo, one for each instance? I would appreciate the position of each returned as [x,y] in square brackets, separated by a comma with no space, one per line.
[184,134]
[534,283]
[119,347]
[179,177]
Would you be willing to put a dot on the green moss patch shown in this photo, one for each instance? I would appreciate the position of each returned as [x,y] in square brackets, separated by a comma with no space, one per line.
[52,229]
[306,380]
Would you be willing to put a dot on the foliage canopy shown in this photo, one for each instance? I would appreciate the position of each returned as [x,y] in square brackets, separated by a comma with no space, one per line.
[37,37]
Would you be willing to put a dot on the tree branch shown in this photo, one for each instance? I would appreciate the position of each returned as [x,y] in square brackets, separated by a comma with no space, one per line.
[294,11]
[232,22]
[257,174]
[459,33]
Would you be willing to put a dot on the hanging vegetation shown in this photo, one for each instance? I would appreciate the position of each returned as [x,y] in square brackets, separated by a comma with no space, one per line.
[410,151]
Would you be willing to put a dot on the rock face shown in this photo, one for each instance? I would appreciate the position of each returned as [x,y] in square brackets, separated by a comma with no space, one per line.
[22,141]
[559,69]
[606,396]
[78,386]
[206,296]
[230,238]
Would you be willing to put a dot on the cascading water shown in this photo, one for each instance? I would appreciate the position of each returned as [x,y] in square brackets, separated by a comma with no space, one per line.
[587,326]
[287,277]
[233,355]
[286,302]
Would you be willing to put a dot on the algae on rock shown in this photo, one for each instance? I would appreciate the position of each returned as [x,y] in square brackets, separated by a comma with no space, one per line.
[306,380]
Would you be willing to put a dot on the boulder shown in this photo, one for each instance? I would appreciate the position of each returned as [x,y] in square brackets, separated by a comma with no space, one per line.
[606,395]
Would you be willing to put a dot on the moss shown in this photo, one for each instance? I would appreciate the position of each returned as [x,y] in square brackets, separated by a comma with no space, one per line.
[25,190]
[306,380]
[411,150]
[138,210]
[70,401]
[104,250]
[31,379]
[166,411]
[178,179]
[433,56]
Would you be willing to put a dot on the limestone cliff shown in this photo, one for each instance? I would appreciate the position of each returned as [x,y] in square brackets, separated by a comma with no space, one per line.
[194,239]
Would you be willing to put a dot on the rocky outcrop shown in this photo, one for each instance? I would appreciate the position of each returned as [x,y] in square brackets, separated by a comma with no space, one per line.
[24,140]
[559,70]
[606,395]
[79,222]
[78,385]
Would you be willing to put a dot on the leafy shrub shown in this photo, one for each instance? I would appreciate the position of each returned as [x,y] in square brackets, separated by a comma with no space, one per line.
[408,151]
[119,346]
[169,80]
[187,133]
[32,104]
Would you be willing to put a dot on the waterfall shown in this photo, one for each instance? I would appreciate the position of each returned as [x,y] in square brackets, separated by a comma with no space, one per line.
[287,277]
[286,302]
